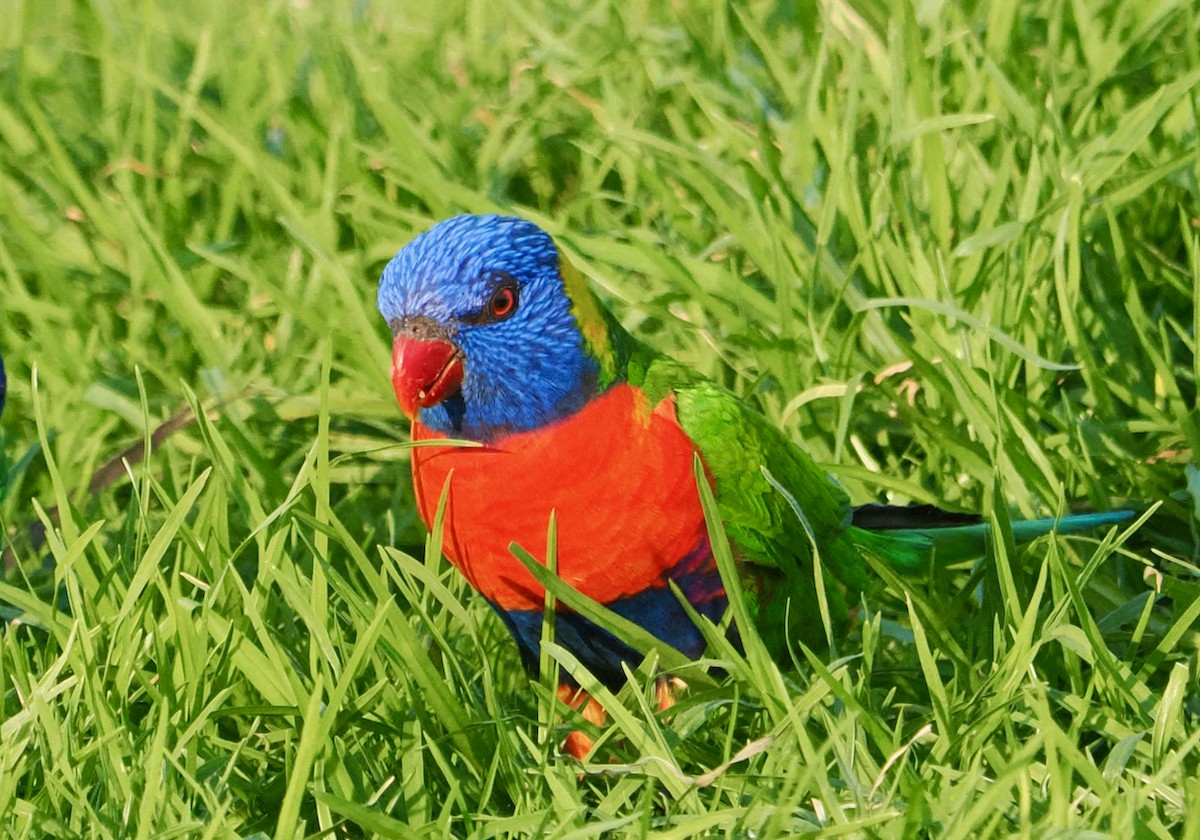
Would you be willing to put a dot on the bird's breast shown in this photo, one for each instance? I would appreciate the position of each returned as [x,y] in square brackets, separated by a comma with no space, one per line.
[617,475]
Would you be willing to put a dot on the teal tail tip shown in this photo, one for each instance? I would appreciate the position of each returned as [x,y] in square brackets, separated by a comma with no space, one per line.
[1074,523]
[911,549]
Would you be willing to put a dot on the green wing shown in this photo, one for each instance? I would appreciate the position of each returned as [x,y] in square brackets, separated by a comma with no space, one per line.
[772,543]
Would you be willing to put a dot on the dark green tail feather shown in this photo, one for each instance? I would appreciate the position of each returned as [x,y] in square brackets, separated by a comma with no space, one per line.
[911,550]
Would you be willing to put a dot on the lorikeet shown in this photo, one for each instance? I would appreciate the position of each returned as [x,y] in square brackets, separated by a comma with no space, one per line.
[498,340]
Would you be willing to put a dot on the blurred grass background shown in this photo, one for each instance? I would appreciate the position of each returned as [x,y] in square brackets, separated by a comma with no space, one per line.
[953,248]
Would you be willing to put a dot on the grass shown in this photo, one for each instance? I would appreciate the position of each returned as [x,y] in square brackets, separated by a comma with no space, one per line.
[951,248]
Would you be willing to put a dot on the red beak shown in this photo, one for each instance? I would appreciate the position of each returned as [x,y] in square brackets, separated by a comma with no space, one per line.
[424,372]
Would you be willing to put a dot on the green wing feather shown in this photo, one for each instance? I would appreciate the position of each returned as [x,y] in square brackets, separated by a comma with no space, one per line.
[775,541]
[774,549]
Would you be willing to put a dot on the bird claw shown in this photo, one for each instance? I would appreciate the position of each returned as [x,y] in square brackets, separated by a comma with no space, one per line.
[578,744]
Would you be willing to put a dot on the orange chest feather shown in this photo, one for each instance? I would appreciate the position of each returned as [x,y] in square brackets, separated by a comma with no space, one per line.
[617,475]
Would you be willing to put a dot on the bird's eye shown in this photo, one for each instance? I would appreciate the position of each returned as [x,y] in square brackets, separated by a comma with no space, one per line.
[500,305]
[503,302]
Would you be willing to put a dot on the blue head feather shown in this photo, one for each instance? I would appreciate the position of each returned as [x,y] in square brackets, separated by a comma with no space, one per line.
[521,373]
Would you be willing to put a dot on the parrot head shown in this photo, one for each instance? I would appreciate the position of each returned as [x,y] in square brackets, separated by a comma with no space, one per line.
[489,324]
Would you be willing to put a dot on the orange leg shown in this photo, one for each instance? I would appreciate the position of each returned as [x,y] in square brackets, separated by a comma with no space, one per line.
[668,690]
[578,744]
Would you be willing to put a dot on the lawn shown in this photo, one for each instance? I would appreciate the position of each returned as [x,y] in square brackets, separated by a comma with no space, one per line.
[952,249]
